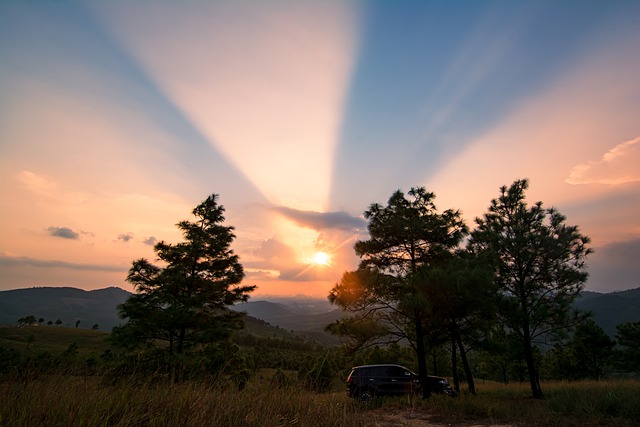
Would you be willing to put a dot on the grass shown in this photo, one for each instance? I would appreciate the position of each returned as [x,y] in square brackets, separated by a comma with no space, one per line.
[54,339]
[68,400]
[86,401]
[583,403]
[74,401]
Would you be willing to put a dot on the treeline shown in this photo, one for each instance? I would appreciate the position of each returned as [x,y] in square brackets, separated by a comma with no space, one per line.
[31,320]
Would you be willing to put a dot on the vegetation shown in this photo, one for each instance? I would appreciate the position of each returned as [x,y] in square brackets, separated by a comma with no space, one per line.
[539,266]
[181,308]
[418,298]
[385,293]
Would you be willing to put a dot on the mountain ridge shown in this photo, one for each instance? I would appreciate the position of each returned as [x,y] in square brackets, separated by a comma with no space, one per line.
[301,314]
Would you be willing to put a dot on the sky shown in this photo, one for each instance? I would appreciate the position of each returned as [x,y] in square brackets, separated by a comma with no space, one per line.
[118,118]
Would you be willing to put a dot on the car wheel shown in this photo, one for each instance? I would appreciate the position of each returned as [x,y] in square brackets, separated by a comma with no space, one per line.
[365,395]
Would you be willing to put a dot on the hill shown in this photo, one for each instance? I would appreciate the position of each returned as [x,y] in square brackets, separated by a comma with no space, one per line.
[304,315]
[611,309]
[300,315]
[67,304]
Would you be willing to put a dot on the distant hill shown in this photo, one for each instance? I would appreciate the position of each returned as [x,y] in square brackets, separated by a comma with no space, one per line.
[611,309]
[304,315]
[308,316]
[66,303]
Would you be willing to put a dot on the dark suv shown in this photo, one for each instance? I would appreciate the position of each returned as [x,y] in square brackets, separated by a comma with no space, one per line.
[367,381]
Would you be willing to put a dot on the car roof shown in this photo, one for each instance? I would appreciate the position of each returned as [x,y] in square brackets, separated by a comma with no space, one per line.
[381,365]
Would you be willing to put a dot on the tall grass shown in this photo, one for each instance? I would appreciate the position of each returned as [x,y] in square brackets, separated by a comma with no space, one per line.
[582,403]
[76,401]
[87,401]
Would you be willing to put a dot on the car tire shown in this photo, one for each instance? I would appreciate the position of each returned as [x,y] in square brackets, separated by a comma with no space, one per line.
[365,395]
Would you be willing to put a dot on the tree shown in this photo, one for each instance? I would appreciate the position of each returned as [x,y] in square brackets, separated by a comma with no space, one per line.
[458,290]
[77,323]
[584,356]
[384,293]
[539,266]
[628,336]
[184,303]
[58,322]
[27,320]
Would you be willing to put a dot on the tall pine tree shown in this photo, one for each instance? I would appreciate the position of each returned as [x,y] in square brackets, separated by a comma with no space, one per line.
[184,303]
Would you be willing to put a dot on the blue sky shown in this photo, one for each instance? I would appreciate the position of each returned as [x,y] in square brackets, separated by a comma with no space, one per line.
[117,118]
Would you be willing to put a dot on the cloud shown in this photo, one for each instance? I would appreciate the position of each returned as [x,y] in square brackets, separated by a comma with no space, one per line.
[10,261]
[615,266]
[323,220]
[151,241]
[274,260]
[63,232]
[618,166]
[274,254]
[35,182]
[125,237]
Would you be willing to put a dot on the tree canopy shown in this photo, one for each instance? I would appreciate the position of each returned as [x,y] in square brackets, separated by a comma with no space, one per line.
[539,267]
[184,303]
[406,235]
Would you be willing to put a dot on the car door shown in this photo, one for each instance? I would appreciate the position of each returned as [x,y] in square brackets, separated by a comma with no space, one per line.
[399,380]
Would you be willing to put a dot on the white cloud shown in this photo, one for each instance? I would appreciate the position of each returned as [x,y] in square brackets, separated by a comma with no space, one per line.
[618,166]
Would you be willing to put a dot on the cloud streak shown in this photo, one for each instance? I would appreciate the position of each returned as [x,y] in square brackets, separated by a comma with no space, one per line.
[618,166]
[12,261]
[323,220]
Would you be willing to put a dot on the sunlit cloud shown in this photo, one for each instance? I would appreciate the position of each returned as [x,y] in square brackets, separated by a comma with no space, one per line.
[323,220]
[34,182]
[620,165]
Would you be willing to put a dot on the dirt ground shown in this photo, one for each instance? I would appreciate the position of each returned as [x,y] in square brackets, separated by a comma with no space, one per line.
[389,417]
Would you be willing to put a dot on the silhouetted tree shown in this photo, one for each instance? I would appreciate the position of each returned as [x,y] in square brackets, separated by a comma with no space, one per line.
[77,323]
[458,290]
[58,322]
[27,320]
[185,302]
[628,336]
[406,235]
[539,266]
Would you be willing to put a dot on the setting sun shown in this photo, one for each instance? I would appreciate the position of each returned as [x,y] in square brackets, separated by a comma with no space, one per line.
[321,258]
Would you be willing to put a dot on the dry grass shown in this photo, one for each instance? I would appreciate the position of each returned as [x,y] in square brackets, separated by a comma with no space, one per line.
[79,401]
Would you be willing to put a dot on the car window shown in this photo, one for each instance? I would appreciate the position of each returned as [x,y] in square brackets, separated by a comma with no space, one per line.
[396,371]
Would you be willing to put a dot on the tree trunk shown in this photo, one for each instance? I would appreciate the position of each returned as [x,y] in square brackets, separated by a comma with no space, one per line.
[465,364]
[454,366]
[534,380]
[422,356]
[181,339]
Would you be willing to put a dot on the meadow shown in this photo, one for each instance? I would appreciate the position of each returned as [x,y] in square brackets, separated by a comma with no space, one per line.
[78,396]
[55,400]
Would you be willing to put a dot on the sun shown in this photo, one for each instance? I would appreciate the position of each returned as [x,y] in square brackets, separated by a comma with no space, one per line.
[321,258]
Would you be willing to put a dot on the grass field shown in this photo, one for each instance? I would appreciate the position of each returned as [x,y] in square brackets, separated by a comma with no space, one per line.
[85,401]
[53,399]
[54,339]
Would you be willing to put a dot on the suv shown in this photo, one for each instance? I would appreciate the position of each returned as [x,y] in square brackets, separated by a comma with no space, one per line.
[367,381]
